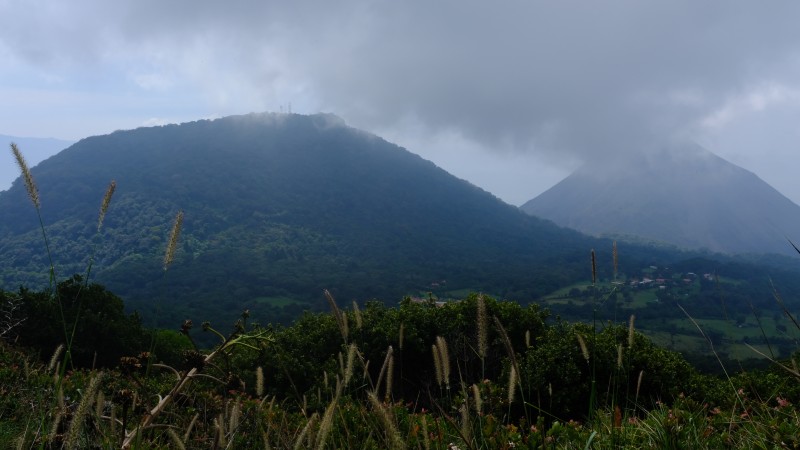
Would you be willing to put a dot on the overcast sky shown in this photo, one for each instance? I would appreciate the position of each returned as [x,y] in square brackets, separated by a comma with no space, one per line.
[510,95]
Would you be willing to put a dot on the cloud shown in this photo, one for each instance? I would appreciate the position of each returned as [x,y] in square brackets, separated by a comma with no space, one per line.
[756,100]
[564,81]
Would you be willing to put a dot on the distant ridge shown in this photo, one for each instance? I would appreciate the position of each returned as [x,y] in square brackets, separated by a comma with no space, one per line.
[683,195]
[36,150]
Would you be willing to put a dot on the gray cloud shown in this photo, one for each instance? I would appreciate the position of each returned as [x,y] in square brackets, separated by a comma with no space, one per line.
[563,81]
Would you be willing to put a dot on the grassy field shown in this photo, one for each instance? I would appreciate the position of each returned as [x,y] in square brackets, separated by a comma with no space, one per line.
[277,301]
[730,335]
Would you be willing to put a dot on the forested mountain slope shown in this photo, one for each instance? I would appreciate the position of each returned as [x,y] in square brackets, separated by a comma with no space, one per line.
[277,208]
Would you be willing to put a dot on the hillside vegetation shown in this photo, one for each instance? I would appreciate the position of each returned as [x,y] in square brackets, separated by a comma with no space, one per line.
[79,371]
[277,208]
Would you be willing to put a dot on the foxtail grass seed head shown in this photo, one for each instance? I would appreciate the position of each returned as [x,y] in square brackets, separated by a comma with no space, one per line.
[60,397]
[512,383]
[106,201]
[482,326]
[437,364]
[172,245]
[477,400]
[384,367]
[100,404]
[631,330]
[392,433]
[234,416]
[465,425]
[30,185]
[348,368]
[389,378]
[594,268]
[87,399]
[444,354]
[357,314]
[54,359]
[259,382]
[366,371]
[54,427]
[188,432]
[219,425]
[506,342]
[57,372]
[325,425]
[584,348]
[619,356]
[527,338]
[638,385]
[300,442]
[176,440]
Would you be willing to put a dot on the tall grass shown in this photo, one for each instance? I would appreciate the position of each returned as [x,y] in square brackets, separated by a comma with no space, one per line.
[354,417]
[33,195]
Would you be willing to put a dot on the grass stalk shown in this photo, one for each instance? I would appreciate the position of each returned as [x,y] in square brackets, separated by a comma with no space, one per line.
[482,326]
[393,439]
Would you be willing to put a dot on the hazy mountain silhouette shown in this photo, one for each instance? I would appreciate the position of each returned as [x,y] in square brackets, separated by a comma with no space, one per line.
[36,150]
[684,195]
[277,208]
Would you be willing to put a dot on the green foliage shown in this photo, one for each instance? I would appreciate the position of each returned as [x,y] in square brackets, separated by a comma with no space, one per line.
[103,333]
[673,407]
[170,347]
[276,206]
[555,377]
[312,344]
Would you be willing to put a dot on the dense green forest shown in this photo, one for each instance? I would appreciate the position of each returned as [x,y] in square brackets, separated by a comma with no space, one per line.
[277,208]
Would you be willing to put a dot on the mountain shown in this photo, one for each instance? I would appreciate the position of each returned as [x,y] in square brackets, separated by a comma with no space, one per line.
[277,208]
[683,195]
[36,150]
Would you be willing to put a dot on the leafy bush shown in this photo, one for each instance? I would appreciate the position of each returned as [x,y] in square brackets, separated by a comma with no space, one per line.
[103,331]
